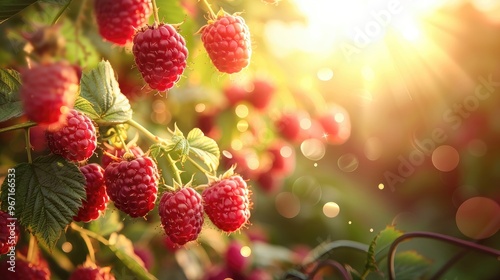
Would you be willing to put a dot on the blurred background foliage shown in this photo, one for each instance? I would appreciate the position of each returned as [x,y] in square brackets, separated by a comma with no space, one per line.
[398,87]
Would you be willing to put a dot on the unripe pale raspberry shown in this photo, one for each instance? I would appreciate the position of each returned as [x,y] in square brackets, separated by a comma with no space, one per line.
[97,198]
[76,140]
[48,91]
[160,55]
[118,19]
[227,203]
[132,185]
[181,214]
[227,41]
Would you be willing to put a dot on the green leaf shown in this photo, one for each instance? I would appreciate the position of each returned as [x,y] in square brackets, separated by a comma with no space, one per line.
[204,148]
[83,105]
[47,194]
[124,250]
[10,104]
[107,224]
[9,8]
[410,265]
[380,246]
[100,88]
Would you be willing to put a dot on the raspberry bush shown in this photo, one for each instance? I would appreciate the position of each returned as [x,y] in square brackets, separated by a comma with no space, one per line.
[158,139]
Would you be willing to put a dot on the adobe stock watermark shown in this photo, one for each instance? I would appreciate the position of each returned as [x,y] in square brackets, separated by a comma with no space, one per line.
[373,29]
[454,117]
[11,210]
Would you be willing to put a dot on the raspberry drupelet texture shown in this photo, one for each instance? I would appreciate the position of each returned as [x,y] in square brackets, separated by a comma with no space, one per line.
[160,55]
[227,41]
[227,203]
[117,20]
[97,198]
[132,185]
[181,215]
[48,91]
[76,140]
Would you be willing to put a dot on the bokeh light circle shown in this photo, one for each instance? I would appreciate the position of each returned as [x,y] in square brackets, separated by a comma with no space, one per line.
[373,148]
[445,158]
[478,217]
[331,209]
[313,149]
[348,163]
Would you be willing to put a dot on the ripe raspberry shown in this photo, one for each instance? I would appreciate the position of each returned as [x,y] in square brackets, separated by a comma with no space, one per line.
[181,215]
[227,41]
[24,271]
[118,19]
[261,95]
[336,125]
[7,227]
[270,182]
[227,203]
[48,91]
[235,261]
[76,139]
[282,157]
[89,273]
[160,55]
[106,160]
[133,185]
[97,198]
[235,94]
[288,126]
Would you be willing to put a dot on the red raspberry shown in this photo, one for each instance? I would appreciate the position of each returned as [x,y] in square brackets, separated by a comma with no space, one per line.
[118,19]
[76,140]
[336,125]
[97,198]
[235,94]
[181,214]
[133,185]
[282,157]
[270,182]
[117,152]
[48,91]
[24,271]
[261,95]
[89,273]
[227,41]
[227,203]
[288,126]
[8,227]
[160,55]
[235,261]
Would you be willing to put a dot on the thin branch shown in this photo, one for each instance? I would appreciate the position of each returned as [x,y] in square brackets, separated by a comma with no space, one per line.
[59,14]
[436,236]
[336,265]
[18,126]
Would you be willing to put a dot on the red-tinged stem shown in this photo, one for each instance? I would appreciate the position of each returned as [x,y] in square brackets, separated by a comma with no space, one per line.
[436,236]
[213,15]
[155,12]
[334,264]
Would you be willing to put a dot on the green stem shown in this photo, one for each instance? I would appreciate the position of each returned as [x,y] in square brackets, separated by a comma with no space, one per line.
[199,166]
[213,15]
[59,14]
[122,140]
[17,126]
[175,170]
[28,143]
[146,132]
[155,12]
[89,233]
[31,249]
